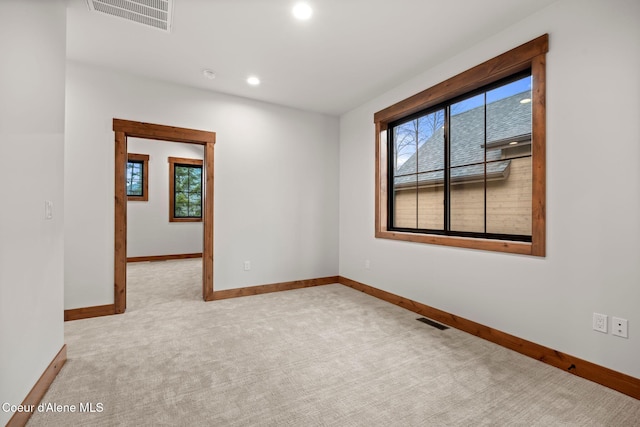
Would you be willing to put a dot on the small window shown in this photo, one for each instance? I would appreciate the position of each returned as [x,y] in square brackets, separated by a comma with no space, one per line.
[463,162]
[137,177]
[185,190]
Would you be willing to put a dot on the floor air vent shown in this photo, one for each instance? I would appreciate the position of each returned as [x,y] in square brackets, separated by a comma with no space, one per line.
[432,323]
[152,13]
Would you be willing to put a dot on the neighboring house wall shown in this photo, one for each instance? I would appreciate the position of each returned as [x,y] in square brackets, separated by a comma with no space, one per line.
[592,204]
[508,204]
[275,191]
[149,231]
[32,48]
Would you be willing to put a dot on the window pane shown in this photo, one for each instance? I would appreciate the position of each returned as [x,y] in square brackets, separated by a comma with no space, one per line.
[134,179]
[195,211]
[421,145]
[194,175]
[467,199]
[181,171]
[509,192]
[509,200]
[509,112]
[431,144]
[405,215]
[431,206]
[467,132]
[188,191]
[404,148]
[182,211]
[195,204]
[135,189]
[181,180]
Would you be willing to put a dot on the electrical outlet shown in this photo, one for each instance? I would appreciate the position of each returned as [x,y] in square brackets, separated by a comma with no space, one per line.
[247,265]
[600,322]
[620,327]
[367,264]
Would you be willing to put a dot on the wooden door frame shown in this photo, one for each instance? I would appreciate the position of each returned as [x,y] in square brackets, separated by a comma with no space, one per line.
[124,129]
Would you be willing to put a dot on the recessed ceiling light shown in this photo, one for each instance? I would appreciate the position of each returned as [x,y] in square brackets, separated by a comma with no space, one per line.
[253,81]
[210,74]
[302,11]
[513,143]
[525,101]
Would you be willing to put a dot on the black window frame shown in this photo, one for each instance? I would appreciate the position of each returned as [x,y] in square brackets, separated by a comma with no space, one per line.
[143,160]
[446,107]
[175,163]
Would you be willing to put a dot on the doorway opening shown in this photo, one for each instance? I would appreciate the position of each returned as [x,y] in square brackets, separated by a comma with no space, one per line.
[124,129]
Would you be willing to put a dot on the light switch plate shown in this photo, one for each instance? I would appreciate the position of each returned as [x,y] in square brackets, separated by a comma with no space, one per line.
[48,209]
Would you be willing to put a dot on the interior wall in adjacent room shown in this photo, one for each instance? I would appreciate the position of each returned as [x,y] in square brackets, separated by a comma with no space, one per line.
[149,232]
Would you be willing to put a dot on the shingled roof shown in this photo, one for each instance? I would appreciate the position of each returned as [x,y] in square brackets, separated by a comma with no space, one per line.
[507,119]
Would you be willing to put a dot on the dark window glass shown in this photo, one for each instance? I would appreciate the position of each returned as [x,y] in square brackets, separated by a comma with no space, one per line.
[464,168]
[135,173]
[187,191]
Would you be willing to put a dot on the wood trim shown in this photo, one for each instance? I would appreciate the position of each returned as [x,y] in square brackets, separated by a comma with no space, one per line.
[124,129]
[162,133]
[273,287]
[460,242]
[381,180]
[207,244]
[88,312]
[183,161]
[607,377]
[172,164]
[154,258]
[516,59]
[138,157]
[529,55]
[144,158]
[36,394]
[120,233]
[539,154]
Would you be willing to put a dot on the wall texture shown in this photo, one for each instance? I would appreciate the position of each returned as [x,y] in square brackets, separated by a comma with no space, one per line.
[276,181]
[149,231]
[31,170]
[593,182]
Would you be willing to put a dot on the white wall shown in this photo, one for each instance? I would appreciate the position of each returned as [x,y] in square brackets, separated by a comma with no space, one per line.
[276,181]
[32,48]
[593,196]
[149,231]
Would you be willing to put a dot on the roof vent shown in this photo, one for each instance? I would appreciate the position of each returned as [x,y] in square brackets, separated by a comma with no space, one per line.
[152,13]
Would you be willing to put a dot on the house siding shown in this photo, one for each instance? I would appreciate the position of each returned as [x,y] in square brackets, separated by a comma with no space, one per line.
[508,204]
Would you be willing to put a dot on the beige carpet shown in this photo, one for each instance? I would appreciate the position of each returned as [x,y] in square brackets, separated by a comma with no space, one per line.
[323,356]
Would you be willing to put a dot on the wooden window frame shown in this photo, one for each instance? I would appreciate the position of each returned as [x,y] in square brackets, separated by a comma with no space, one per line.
[173,161]
[144,158]
[531,55]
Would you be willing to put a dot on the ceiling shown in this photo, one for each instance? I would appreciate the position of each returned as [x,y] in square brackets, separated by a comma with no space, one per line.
[348,52]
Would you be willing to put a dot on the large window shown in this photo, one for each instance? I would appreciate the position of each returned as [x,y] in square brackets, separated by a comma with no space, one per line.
[463,163]
[137,177]
[185,190]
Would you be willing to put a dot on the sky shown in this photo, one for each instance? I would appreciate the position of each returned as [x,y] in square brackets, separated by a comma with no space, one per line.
[494,95]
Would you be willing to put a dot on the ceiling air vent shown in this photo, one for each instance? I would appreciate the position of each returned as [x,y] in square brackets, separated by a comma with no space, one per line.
[152,13]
